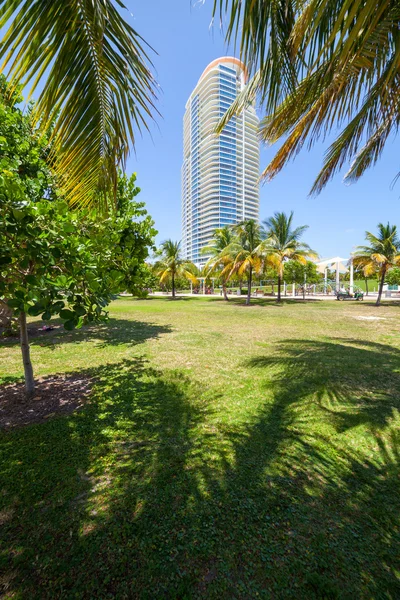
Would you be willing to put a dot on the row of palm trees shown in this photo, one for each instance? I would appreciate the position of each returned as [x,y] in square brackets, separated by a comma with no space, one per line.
[248,249]
[244,250]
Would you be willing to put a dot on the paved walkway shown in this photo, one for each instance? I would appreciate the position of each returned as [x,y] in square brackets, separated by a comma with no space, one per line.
[371,296]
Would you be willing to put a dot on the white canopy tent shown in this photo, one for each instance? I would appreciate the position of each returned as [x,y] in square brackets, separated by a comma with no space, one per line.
[339,265]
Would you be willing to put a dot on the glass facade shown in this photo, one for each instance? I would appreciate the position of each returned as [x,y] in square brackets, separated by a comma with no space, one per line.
[219,173]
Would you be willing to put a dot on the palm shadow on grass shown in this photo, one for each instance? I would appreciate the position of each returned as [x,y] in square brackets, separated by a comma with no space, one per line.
[144,494]
[369,302]
[340,377]
[59,507]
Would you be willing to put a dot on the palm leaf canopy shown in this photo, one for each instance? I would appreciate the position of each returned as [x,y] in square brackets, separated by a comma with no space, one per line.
[219,249]
[172,263]
[283,241]
[320,65]
[93,69]
[246,248]
[382,252]
[281,232]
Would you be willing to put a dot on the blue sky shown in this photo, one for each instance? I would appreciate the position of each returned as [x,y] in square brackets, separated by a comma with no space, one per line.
[179,30]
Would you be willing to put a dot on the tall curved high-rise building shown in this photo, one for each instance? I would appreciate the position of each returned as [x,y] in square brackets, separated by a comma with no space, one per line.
[219,173]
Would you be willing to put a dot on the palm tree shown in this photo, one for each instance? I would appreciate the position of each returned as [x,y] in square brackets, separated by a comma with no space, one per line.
[382,253]
[96,86]
[246,250]
[220,255]
[318,67]
[172,265]
[283,243]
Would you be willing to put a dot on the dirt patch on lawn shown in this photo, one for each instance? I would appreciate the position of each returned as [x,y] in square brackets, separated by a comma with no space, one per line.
[34,331]
[57,395]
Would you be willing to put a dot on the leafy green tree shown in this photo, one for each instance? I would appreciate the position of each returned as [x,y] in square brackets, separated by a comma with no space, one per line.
[319,67]
[382,253]
[393,276]
[246,250]
[94,74]
[220,261]
[171,265]
[133,231]
[284,244]
[54,261]
[294,272]
[146,281]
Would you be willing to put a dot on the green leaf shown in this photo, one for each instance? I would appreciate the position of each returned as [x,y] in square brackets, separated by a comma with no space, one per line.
[67,314]
[31,279]
[18,214]
[58,306]
[35,310]
[69,325]
[79,310]
[15,303]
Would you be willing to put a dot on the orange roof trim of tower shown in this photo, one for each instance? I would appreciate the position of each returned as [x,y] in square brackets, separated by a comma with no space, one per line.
[225,59]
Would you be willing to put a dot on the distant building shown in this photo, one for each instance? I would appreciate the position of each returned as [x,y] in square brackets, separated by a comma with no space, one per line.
[219,173]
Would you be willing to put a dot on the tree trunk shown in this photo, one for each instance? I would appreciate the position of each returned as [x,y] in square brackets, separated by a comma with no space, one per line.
[173,285]
[224,291]
[26,356]
[249,286]
[382,281]
[279,288]
[366,286]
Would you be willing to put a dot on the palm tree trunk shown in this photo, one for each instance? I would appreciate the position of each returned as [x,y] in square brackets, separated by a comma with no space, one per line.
[279,288]
[249,286]
[366,286]
[224,291]
[26,356]
[382,281]
[173,284]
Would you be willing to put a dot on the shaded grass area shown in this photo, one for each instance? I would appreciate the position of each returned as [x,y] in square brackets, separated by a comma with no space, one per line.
[212,464]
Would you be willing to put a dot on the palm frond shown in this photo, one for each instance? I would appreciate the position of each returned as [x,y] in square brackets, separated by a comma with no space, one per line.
[98,87]
[370,269]
[262,29]
[336,64]
[246,97]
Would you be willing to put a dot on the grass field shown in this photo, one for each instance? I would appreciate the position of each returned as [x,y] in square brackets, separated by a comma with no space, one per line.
[225,452]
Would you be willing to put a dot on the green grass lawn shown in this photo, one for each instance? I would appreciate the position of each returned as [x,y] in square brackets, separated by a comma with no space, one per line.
[225,452]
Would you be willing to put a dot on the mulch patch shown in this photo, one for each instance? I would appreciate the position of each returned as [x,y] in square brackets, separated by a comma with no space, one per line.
[56,395]
[34,331]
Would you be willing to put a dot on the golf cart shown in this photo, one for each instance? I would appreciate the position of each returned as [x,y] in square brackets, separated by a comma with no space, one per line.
[346,295]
